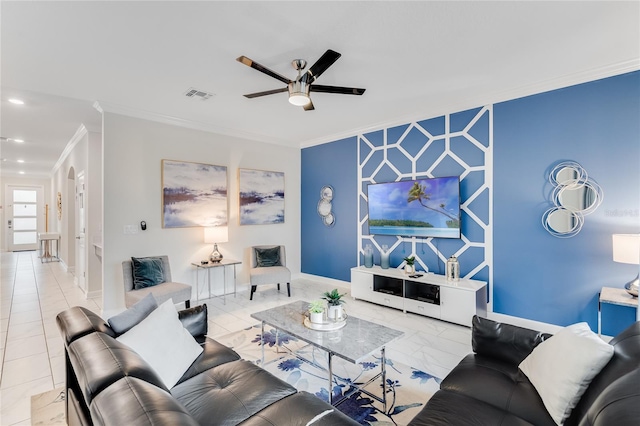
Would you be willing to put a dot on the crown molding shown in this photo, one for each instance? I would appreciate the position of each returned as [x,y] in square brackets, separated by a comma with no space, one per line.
[77,137]
[487,99]
[103,107]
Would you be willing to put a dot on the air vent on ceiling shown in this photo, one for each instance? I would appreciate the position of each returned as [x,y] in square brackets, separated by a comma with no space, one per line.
[197,94]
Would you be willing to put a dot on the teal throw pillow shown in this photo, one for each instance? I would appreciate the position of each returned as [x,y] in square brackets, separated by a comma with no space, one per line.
[147,272]
[266,257]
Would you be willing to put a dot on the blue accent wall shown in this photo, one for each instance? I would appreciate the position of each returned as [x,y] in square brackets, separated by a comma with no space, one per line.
[535,275]
[330,252]
[597,124]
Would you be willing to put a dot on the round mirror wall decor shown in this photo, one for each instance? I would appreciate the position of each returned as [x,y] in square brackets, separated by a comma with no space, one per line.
[324,206]
[574,196]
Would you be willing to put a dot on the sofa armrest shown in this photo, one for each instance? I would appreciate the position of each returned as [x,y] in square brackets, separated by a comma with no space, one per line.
[195,320]
[506,342]
[77,322]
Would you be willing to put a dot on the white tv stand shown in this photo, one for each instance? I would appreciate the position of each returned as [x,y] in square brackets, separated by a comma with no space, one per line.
[431,295]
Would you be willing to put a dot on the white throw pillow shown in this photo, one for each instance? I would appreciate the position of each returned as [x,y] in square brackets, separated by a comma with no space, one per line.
[561,368]
[162,341]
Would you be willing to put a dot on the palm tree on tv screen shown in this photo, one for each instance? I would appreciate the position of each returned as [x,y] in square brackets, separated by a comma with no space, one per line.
[417,192]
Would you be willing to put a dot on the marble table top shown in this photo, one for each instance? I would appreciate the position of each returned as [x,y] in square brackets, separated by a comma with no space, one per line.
[354,342]
[617,296]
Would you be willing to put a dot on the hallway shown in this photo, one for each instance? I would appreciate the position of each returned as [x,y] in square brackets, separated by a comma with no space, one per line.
[31,350]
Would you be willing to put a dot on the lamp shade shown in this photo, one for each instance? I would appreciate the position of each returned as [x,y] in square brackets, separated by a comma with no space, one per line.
[626,248]
[217,234]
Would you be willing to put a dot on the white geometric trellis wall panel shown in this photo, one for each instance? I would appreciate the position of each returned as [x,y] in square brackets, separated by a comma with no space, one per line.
[459,144]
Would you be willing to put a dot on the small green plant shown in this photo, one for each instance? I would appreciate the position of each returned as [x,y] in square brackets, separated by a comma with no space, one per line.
[333,297]
[317,307]
[410,260]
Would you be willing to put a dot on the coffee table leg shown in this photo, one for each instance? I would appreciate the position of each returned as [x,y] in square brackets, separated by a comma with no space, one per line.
[330,360]
[383,361]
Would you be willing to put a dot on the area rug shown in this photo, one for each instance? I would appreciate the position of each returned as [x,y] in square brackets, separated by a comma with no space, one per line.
[408,388]
[47,408]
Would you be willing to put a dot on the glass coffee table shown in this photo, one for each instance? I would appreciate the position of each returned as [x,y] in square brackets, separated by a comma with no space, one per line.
[354,342]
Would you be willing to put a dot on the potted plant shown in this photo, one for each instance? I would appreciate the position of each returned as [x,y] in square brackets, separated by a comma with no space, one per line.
[316,311]
[410,267]
[334,300]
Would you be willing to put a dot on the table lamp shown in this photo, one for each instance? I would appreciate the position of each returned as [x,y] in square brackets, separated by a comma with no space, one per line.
[626,249]
[215,235]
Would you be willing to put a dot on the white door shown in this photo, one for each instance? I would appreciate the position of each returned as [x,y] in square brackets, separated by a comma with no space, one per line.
[80,236]
[23,204]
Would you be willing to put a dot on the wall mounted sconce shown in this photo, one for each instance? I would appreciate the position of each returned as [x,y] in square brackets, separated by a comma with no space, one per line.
[574,196]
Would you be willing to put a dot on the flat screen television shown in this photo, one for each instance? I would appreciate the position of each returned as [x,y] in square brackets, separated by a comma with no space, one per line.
[415,208]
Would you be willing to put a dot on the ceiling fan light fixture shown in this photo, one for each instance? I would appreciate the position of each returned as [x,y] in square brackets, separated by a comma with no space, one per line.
[299,93]
[299,99]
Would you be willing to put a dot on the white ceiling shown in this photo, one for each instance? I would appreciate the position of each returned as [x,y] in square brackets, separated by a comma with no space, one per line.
[416,59]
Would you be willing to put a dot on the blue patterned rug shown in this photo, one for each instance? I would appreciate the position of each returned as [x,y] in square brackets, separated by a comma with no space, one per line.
[408,388]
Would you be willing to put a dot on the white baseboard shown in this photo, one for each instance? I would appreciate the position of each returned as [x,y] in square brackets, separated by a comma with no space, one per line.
[325,280]
[94,294]
[523,322]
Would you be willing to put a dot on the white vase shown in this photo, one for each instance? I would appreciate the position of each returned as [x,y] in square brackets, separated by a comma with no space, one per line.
[335,312]
[316,317]
[409,269]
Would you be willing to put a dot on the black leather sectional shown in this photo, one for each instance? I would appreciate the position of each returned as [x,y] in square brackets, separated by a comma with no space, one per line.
[109,384]
[487,387]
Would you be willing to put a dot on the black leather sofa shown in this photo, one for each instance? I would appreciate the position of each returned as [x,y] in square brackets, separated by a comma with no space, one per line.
[108,383]
[488,388]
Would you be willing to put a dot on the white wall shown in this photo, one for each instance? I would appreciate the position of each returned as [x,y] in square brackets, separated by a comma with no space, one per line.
[94,213]
[76,159]
[133,149]
[45,184]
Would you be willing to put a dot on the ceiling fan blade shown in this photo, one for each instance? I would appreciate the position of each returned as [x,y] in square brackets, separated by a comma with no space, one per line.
[265,93]
[336,89]
[321,65]
[250,63]
[309,106]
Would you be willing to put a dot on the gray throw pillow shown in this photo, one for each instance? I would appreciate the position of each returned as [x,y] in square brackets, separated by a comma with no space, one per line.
[124,321]
[266,257]
[147,272]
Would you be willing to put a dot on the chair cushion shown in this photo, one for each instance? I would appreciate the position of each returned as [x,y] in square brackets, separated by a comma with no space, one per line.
[123,322]
[267,257]
[272,275]
[230,393]
[447,408]
[147,272]
[178,292]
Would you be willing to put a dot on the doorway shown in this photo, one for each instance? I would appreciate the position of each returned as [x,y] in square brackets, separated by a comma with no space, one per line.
[23,204]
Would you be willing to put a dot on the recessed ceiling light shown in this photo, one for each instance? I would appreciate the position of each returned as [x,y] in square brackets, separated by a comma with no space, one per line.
[16,101]
[20,161]
[18,140]
[21,172]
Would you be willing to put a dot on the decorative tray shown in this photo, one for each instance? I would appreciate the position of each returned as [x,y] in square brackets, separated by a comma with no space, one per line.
[327,324]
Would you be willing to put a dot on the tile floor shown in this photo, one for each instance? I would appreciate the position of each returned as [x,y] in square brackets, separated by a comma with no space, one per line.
[31,350]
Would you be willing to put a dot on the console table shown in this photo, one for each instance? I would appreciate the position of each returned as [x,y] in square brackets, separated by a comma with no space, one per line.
[431,295]
[44,240]
[208,267]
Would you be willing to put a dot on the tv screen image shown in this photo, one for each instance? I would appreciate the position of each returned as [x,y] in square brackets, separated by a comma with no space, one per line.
[423,208]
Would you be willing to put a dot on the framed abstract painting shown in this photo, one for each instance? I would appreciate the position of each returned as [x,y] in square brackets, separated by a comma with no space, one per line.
[261,197]
[193,194]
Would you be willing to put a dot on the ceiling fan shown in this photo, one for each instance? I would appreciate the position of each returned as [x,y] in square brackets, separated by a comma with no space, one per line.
[300,87]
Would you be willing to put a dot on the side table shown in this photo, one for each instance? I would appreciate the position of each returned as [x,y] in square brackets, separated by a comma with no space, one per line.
[614,296]
[208,267]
